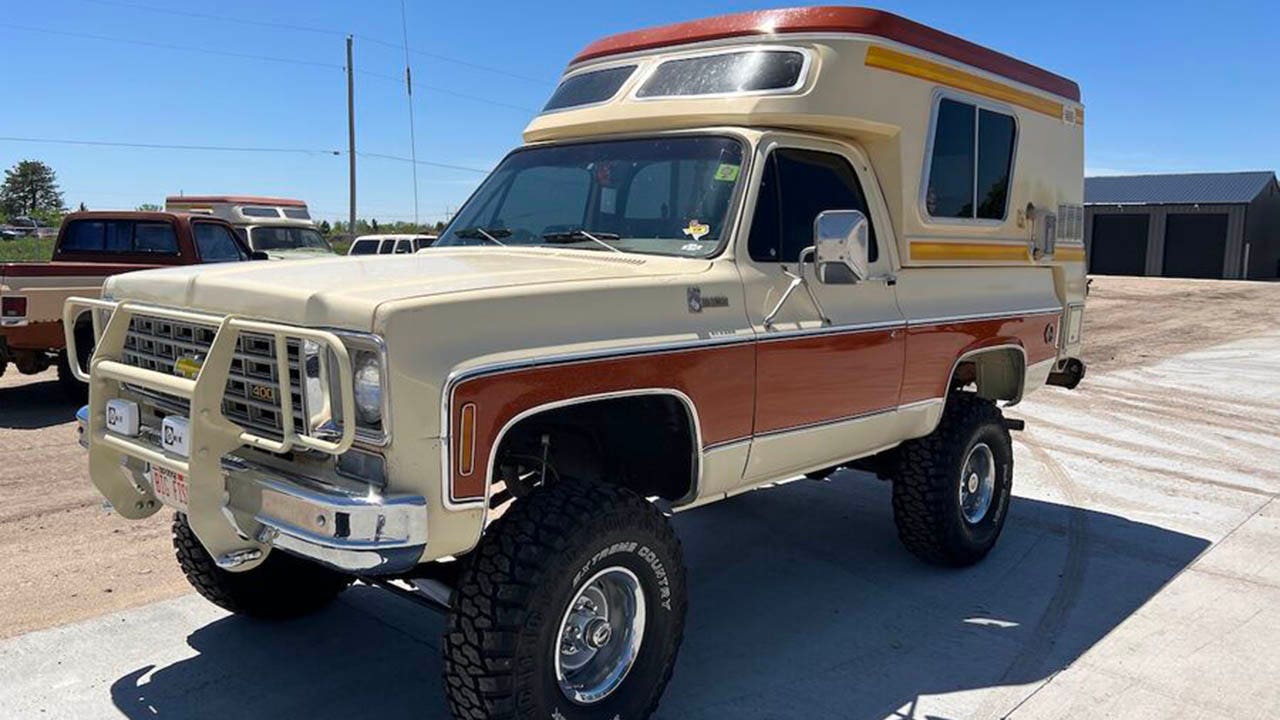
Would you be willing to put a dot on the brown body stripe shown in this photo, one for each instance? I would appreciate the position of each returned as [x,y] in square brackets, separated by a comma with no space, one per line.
[755,387]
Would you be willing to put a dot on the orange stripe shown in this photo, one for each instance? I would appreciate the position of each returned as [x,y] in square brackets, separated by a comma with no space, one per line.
[1069,254]
[906,64]
[969,251]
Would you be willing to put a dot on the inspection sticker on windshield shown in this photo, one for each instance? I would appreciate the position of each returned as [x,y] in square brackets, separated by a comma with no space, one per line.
[727,173]
[696,229]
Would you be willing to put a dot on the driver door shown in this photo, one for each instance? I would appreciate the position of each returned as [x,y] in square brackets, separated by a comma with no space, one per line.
[826,391]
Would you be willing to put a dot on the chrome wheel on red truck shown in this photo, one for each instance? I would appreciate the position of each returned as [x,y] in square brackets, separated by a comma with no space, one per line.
[572,607]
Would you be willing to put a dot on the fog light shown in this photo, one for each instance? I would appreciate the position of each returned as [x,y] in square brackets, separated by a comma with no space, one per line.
[123,417]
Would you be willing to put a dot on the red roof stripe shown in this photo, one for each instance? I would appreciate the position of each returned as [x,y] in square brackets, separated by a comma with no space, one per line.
[861,21]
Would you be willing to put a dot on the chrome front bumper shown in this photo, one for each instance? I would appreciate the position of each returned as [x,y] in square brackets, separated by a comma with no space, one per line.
[366,533]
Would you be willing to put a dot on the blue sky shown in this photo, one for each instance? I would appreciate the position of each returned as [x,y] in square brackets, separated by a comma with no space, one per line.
[1168,86]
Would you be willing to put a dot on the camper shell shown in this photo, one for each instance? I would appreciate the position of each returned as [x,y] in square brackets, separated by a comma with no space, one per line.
[280,227]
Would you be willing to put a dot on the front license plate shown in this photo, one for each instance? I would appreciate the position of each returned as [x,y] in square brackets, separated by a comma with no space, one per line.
[170,487]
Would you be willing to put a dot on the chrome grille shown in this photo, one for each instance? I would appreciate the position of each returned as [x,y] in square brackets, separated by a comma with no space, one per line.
[252,398]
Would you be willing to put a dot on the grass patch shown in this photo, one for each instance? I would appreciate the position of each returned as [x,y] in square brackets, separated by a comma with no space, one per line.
[26,250]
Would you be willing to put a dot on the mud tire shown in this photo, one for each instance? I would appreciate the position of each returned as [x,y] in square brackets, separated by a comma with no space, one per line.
[926,502]
[501,637]
[282,587]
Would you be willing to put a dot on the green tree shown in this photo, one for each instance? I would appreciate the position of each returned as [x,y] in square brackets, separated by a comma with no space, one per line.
[31,188]
[149,207]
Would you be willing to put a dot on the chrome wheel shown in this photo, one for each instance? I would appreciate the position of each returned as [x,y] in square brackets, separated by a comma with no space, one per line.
[600,636]
[977,483]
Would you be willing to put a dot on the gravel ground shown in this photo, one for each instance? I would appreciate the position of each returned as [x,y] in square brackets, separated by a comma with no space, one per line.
[64,558]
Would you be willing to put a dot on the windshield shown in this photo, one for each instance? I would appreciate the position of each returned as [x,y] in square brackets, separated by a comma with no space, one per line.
[266,239]
[666,196]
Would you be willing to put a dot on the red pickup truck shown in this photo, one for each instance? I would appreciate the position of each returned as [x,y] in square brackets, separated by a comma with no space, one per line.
[92,246]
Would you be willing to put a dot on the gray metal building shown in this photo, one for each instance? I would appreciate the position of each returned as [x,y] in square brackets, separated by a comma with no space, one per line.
[1200,225]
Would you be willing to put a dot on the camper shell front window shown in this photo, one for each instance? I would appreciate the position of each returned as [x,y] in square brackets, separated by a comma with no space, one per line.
[735,72]
[589,88]
[263,212]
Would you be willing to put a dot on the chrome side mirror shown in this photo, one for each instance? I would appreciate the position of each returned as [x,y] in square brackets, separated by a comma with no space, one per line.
[841,242]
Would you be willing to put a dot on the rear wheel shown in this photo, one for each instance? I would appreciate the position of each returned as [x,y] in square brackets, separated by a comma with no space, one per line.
[951,489]
[572,607]
[283,586]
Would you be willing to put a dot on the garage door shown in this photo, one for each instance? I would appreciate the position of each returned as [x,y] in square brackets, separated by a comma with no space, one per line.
[1195,246]
[1119,244]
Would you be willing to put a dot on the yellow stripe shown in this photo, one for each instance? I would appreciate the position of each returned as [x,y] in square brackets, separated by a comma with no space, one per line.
[954,251]
[900,62]
[968,251]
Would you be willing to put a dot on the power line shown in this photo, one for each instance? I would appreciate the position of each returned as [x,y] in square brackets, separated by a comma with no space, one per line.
[267,58]
[235,148]
[320,31]
[445,91]
[429,163]
[167,46]
[164,146]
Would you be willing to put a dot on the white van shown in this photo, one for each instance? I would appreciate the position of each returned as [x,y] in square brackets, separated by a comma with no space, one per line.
[390,244]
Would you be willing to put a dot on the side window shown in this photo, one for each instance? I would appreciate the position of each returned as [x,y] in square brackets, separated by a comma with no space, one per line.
[971,162]
[797,185]
[84,236]
[365,247]
[216,244]
[387,247]
[404,247]
[155,238]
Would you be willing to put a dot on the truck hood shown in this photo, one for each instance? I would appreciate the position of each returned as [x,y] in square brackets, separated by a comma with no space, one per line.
[345,292]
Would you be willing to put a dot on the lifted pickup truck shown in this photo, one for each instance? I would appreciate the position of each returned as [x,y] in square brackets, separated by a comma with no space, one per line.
[90,247]
[731,252]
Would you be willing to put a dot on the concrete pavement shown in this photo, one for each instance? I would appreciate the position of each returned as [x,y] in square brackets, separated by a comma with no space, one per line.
[1138,577]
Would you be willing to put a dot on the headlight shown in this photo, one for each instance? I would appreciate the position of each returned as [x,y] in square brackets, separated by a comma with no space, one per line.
[368,388]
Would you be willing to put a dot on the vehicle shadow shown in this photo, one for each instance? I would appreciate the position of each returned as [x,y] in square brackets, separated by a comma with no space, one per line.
[34,405]
[802,605]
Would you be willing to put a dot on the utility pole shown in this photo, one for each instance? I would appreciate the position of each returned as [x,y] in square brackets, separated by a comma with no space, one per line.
[351,139]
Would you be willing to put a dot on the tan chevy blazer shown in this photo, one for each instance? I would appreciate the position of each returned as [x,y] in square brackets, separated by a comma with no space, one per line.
[730,252]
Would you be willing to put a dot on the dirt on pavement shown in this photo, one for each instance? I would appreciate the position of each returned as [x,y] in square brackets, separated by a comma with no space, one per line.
[64,558]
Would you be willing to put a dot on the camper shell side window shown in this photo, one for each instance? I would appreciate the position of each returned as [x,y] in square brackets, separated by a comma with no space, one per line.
[969,161]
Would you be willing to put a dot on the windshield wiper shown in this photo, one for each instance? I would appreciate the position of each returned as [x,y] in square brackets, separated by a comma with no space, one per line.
[580,234]
[477,233]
